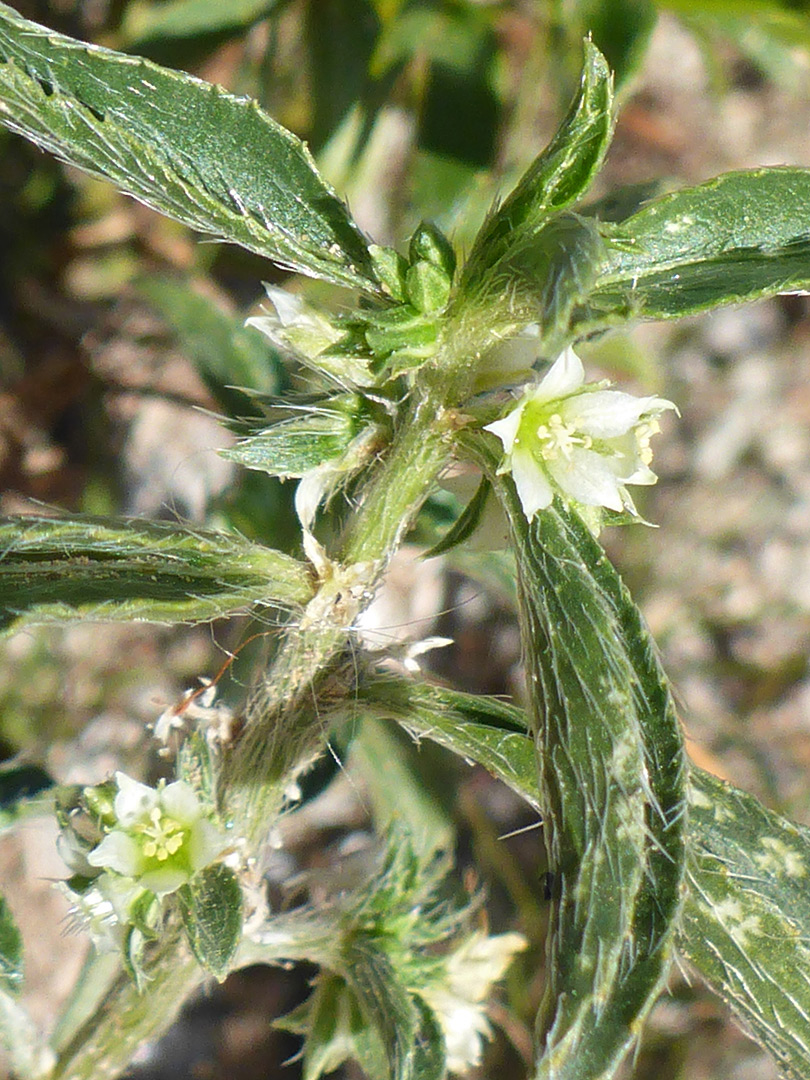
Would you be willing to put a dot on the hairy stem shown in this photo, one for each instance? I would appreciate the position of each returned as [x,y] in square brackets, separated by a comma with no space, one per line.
[105,1044]
[284,729]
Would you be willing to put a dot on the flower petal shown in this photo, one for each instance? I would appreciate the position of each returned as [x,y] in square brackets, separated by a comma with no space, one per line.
[133,801]
[118,851]
[180,802]
[564,376]
[587,477]
[164,879]
[533,487]
[606,414]
[206,843]
[507,428]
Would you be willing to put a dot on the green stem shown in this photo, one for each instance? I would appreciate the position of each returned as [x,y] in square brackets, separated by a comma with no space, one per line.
[105,1044]
[284,729]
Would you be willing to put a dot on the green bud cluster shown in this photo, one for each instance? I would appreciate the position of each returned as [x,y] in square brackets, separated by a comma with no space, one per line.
[402,338]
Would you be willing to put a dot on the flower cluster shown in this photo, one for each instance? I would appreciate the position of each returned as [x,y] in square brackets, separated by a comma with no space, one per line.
[459,997]
[584,442]
[160,838]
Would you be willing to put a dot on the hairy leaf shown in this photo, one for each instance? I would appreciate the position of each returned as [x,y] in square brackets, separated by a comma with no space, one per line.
[211,907]
[334,1030]
[611,771]
[189,149]
[745,923]
[293,447]
[738,237]
[556,179]
[67,568]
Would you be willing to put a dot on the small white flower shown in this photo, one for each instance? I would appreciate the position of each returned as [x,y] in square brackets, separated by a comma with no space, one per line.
[161,837]
[458,1000]
[300,330]
[294,326]
[585,442]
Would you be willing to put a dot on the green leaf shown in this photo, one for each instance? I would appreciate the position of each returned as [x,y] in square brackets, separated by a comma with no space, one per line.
[293,447]
[738,237]
[189,149]
[481,729]
[334,1030]
[612,783]
[64,569]
[189,18]
[11,952]
[465,524]
[211,907]
[559,176]
[746,921]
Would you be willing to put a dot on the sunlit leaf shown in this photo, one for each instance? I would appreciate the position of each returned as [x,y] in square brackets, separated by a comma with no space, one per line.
[189,149]
[61,569]
[741,236]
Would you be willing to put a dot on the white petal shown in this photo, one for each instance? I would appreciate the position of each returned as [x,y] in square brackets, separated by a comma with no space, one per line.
[180,802]
[507,428]
[270,326]
[606,414]
[289,308]
[119,852]
[206,843]
[588,478]
[564,376]
[531,482]
[164,879]
[133,801]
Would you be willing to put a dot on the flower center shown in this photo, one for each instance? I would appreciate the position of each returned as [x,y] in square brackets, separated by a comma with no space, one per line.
[163,835]
[558,438]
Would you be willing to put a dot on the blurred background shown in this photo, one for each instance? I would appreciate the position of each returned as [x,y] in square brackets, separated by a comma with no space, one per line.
[121,339]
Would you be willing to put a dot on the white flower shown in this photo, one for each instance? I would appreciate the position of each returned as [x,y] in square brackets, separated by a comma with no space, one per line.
[161,837]
[458,1000]
[296,328]
[585,442]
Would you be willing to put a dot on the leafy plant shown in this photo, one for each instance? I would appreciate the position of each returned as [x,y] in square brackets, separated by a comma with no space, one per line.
[646,854]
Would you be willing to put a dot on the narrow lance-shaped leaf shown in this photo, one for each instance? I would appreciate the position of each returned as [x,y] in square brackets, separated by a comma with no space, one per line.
[746,916]
[189,149]
[612,793]
[738,237]
[611,783]
[746,924]
[25,1045]
[63,569]
[557,178]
